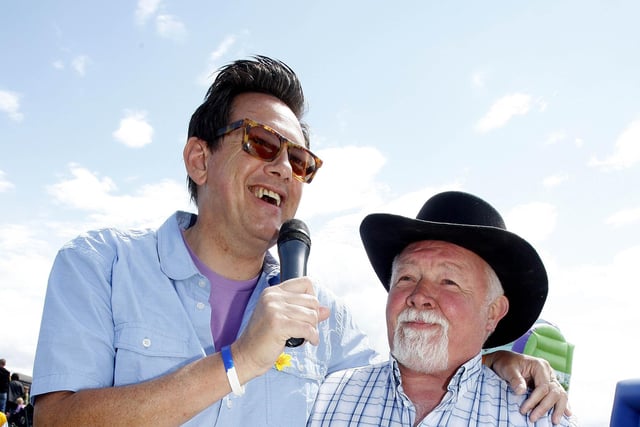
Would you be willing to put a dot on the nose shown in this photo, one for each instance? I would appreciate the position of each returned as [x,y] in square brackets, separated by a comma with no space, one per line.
[421,296]
[280,166]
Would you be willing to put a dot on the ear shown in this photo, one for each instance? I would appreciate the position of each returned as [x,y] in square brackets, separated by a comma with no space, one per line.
[497,310]
[195,156]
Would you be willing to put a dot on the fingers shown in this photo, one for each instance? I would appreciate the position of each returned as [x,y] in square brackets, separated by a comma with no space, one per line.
[513,375]
[518,383]
[545,397]
[541,371]
[296,308]
[297,317]
[520,370]
[290,309]
[298,284]
[323,313]
[548,393]
[508,365]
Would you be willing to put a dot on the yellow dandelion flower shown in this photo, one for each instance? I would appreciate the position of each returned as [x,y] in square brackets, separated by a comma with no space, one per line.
[283,361]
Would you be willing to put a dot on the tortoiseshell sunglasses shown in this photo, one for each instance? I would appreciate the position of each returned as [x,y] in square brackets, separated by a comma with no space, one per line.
[264,143]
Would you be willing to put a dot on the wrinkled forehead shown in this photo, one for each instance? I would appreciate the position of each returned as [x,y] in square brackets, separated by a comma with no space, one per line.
[446,253]
[436,246]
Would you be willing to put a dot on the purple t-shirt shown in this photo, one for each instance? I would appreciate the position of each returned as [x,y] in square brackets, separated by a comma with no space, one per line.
[228,300]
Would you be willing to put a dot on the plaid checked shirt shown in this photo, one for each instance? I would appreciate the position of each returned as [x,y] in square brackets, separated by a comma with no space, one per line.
[373,396]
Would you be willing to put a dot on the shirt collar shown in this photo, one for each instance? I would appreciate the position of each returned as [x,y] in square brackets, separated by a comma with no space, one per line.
[465,378]
[175,260]
[397,382]
[271,268]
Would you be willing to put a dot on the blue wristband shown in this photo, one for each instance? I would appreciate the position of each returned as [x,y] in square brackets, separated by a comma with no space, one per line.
[232,375]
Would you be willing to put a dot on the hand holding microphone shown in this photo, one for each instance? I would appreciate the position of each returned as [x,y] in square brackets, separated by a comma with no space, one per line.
[292,306]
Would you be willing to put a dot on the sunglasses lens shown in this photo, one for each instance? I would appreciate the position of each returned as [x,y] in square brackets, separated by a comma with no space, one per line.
[262,144]
[302,163]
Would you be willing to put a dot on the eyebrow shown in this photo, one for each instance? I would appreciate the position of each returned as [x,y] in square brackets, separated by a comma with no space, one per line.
[409,260]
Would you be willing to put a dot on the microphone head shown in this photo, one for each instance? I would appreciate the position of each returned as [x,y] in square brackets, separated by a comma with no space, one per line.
[294,229]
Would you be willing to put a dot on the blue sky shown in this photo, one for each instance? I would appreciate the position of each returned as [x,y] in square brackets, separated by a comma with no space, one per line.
[534,106]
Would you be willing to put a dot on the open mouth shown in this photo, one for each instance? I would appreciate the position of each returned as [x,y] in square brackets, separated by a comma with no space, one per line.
[267,196]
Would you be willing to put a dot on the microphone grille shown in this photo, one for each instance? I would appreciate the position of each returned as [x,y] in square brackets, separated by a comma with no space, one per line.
[294,229]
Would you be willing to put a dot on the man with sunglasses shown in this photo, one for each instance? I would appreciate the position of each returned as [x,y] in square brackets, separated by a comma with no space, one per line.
[187,324]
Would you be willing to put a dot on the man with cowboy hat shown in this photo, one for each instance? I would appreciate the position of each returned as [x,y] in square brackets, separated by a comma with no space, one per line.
[458,282]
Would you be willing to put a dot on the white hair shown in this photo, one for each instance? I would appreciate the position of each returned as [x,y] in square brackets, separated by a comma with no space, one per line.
[494,286]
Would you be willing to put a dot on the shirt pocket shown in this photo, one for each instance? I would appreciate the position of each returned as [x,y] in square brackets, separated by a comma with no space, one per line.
[291,391]
[144,352]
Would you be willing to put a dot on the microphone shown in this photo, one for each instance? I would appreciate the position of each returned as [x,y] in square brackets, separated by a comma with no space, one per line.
[294,243]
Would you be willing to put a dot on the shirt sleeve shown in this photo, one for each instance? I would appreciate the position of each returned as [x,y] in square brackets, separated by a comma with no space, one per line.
[75,347]
[349,345]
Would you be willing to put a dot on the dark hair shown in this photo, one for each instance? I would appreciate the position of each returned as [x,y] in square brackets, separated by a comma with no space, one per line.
[259,74]
[15,377]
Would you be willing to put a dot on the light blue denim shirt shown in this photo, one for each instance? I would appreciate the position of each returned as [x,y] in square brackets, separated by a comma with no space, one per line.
[125,307]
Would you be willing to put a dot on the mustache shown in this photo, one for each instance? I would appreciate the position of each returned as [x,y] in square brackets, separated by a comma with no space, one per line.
[425,316]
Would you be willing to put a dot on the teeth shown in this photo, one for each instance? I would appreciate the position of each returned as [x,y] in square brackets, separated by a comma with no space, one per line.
[261,192]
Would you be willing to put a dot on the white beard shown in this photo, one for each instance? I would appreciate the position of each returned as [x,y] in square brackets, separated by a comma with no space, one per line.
[421,351]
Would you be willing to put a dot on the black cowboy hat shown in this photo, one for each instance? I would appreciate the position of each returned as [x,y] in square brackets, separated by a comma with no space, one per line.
[470,222]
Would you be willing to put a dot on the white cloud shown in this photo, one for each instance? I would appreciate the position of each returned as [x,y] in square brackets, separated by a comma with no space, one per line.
[555,137]
[532,221]
[624,217]
[79,64]
[10,104]
[222,48]
[19,240]
[542,105]
[58,64]
[337,193]
[134,130]
[167,25]
[348,200]
[149,205]
[626,151]
[146,9]
[84,191]
[206,77]
[555,180]
[503,110]
[170,27]
[5,184]
[478,79]
[21,251]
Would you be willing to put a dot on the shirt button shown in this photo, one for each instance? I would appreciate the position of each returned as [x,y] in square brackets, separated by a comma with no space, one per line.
[146,343]
[202,284]
[200,306]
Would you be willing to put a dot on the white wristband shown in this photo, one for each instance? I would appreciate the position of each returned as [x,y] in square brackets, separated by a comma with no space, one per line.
[232,375]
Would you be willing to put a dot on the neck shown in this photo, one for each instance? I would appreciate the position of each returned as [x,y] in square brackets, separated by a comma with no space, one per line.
[424,390]
[228,259]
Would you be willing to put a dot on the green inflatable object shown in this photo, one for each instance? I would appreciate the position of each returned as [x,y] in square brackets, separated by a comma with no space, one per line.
[544,340]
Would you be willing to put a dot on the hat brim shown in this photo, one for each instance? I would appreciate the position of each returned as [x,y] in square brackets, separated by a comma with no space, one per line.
[514,260]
